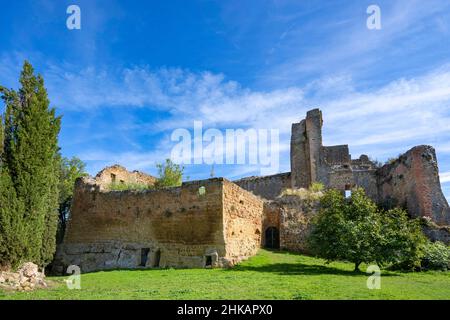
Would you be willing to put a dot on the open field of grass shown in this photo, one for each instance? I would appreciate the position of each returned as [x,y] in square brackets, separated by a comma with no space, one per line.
[269,275]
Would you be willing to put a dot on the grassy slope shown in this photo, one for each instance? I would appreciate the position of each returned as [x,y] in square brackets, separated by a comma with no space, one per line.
[269,275]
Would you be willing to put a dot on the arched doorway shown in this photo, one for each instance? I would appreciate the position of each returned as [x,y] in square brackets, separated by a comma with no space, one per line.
[272,238]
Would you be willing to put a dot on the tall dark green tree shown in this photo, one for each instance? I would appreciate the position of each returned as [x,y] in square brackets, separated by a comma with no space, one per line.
[31,159]
[12,233]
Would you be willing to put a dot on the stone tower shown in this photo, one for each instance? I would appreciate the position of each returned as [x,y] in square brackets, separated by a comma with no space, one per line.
[306,146]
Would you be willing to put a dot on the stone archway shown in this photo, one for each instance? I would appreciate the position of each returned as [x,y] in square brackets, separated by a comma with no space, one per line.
[272,238]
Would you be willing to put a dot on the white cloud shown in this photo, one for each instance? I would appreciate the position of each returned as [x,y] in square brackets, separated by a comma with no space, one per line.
[381,122]
[445,177]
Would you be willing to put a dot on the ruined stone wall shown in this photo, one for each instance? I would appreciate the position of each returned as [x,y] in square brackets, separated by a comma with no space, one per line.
[367,179]
[242,214]
[119,174]
[314,141]
[300,164]
[295,222]
[268,187]
[172,227]
[336,155]
[412,182]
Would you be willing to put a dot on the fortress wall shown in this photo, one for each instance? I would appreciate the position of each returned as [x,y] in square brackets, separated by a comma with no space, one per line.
[242,214]
[367,180]
[268,187]
[336,155]
[412,182]
[178,226]
[340,178]
[295,222]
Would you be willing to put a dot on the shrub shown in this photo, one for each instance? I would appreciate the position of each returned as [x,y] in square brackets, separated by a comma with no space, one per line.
[316,187]
[436,256]
[128,186]
[314,193]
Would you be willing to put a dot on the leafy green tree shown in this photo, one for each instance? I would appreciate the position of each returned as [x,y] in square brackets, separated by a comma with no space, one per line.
[170,174]
[31,159]
[356,230]
[346,230]
[70,170]
[403,242]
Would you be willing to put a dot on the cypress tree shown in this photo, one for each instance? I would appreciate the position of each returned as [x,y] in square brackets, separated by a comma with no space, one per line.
[31,156]
[12,232]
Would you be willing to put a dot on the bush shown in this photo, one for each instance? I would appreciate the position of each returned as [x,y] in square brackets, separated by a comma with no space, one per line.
[436,256]
[128,186]
[314,193]
[316,187]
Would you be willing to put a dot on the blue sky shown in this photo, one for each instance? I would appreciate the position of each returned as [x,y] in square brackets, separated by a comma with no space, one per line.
[137,70]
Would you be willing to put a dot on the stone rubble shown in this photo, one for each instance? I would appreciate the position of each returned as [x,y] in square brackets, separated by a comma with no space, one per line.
[26,278]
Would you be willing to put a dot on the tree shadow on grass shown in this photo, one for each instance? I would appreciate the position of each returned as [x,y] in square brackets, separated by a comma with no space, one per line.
[301,269]
[298,268]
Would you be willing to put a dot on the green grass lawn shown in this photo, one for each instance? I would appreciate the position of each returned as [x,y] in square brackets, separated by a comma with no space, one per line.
[269,275]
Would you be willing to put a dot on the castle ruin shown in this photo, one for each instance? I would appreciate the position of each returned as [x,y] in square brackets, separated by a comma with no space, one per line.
[217,223]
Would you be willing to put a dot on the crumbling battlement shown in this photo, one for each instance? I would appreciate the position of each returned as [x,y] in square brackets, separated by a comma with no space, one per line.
[412,182]
[118,174]
[202,223]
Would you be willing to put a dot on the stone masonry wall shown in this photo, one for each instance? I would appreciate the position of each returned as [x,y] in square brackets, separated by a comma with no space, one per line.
[412,182]
[300,165]
[295,222]
[268,187]
[172,227]
[119,174]
[242,214]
